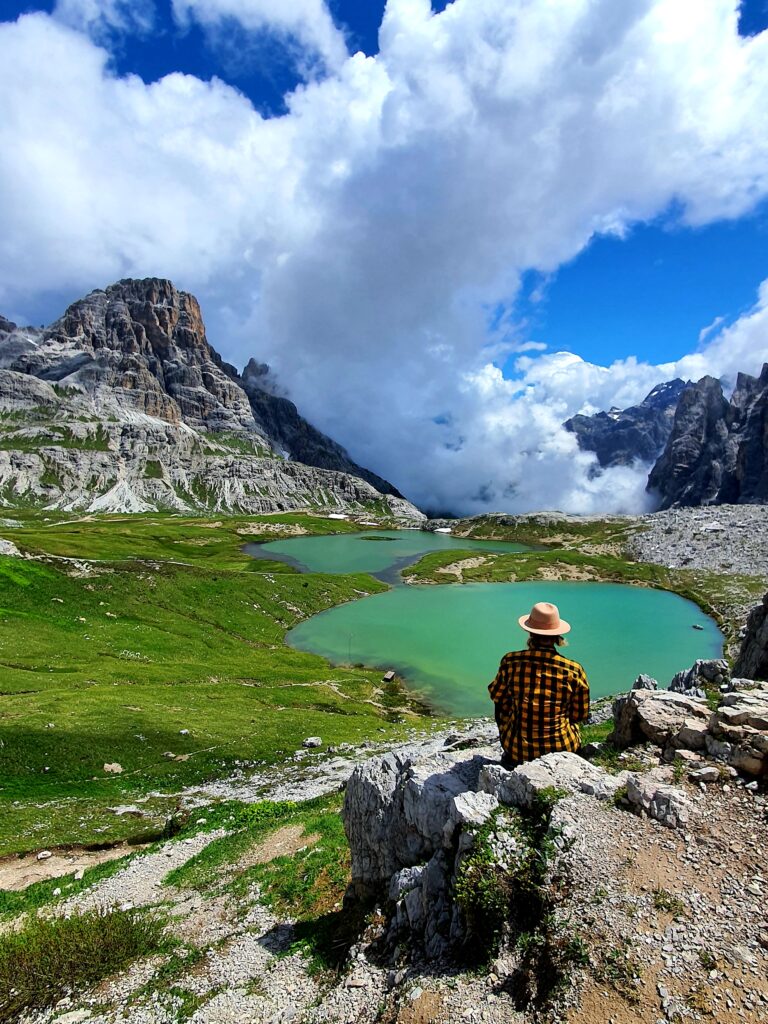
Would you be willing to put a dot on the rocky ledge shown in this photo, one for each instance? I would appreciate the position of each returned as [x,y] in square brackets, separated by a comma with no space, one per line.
[469,860]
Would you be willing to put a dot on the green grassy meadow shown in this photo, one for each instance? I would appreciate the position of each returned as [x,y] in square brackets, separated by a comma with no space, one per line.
[154,642]
[108,661]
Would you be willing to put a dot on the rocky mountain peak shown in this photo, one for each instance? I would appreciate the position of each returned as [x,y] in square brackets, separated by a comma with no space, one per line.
[133,361]
[717,451]
[619,437]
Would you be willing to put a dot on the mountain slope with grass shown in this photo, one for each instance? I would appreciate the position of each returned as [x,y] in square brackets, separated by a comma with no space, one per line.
[123,405]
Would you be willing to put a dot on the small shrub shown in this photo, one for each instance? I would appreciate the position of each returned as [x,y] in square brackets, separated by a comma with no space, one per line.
[619,969]
[708,961]
[665,900]
[620,797]
[49,957]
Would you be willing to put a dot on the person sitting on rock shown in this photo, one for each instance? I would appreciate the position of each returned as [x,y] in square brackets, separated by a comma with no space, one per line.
[539,696]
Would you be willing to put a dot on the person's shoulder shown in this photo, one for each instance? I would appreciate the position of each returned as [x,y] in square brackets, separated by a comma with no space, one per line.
[512,656]
[574,666]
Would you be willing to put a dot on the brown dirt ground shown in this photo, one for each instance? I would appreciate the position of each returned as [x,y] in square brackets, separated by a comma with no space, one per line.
[284,841]
[424,1010]
[17,873]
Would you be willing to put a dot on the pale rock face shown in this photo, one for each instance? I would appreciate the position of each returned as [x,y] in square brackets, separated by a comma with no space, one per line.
[656,715]
[752,661]
[736,733]
[559,770]
[664,803]
[9,549]
[122,405]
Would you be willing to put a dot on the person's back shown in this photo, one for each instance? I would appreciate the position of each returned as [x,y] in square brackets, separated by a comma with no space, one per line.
[540,696]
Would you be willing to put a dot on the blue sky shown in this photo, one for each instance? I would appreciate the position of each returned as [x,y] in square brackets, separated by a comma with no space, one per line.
[650,293]
[594,173]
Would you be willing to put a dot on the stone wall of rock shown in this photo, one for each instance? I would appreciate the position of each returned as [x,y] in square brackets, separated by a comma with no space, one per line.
[620,437]
[717,451]
[752,661]
[736,733]
[413,821]
[414,818]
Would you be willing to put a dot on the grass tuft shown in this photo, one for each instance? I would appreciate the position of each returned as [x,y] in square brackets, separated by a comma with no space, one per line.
[49,957]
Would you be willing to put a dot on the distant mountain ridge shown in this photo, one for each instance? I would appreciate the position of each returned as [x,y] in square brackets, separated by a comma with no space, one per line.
[122,404]
[619,437]
[705,449]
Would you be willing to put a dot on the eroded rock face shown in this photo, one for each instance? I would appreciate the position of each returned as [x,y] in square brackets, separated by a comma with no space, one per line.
[659,801]
[717,452]
[752,661]
[692,681]
[656,715]
[122,405]
[413,821]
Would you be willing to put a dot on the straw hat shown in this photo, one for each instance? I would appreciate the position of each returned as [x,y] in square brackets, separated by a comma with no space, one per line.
[544,618]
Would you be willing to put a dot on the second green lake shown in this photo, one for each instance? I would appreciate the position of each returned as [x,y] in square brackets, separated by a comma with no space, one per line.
[447,640]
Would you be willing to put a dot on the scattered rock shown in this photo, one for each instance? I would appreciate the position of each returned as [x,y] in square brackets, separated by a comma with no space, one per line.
[644,682]
[113,768]
[312,741]
[663,803]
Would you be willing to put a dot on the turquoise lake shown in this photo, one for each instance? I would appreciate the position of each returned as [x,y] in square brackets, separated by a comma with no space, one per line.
[447,640]
[381,553]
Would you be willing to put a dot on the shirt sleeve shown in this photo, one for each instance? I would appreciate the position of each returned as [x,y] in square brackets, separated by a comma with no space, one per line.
[579,709]
[498,687]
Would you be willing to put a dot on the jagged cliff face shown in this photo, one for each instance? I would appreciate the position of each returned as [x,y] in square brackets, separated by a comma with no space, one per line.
[717,452]
[620,437]
[122,404]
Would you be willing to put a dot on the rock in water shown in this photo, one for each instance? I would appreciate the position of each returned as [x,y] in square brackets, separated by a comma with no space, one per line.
[123,405]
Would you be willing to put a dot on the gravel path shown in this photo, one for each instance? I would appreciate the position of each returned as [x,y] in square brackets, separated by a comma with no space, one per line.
[138,883]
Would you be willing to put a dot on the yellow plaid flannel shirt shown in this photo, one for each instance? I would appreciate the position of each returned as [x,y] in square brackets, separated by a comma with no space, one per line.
[540,698]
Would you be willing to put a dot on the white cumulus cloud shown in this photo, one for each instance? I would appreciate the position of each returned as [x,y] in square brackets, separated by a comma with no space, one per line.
[307,22]
[369,243]
[99,18]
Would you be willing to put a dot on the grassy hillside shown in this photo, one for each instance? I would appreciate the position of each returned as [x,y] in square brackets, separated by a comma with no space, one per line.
[108,662]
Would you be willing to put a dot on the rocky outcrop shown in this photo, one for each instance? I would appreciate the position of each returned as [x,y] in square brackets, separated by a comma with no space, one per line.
[717,451]
[752,661]
[280,420]
[662,717]
[620,437]
[420,828]
[704,673]
[735,734]
[123,405]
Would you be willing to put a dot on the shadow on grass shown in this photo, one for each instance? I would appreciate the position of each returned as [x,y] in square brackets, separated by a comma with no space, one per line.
[325,940]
